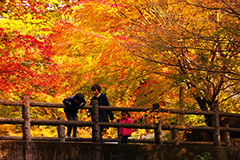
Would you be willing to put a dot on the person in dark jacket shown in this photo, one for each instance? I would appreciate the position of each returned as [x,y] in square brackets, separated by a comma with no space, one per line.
[72,104]
[102,101]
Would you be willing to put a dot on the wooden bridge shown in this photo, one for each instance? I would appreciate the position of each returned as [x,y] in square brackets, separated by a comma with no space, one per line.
[217,142]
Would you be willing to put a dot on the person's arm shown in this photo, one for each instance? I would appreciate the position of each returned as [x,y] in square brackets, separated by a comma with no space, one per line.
[111,116]
[106,103]
[67,101]
[82,104]
[89,112]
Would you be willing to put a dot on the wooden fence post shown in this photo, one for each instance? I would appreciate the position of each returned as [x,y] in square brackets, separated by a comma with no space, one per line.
[216,134]
[226,136]
[95,119]
[27,120]
[118,135]
[26,128]
[158,132]
[175,134]
[61,130]
[158,129]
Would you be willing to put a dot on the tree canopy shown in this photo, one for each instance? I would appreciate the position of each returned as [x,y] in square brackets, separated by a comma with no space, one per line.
[198,41]
[181,54]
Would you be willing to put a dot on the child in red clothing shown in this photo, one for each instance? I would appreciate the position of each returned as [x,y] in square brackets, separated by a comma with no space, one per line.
[125,132]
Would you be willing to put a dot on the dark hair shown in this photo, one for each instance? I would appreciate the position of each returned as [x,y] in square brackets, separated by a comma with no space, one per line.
[126,113]
[79,96]
[96,86]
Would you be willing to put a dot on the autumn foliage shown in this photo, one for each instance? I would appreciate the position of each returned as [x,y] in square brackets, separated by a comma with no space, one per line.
[181,54]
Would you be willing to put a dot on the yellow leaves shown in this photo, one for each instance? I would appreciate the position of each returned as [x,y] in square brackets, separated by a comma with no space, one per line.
[8,129]
[33,27]
[5,15]
[29,17]
[54,2]
[44,131]
[165,69]
[192,91]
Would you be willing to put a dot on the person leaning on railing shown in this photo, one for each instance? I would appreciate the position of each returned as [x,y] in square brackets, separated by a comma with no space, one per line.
[72,104]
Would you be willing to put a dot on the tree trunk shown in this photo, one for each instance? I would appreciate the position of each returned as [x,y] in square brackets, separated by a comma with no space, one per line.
[203,105]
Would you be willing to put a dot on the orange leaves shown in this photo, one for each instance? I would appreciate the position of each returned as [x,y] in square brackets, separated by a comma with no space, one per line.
[21,66]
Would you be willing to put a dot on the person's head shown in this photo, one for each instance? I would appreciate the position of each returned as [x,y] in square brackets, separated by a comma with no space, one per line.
[125,114]
[78,98]
[96,89]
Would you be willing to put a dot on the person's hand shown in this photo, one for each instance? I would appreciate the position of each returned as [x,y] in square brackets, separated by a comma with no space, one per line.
[114,120]
[88,114]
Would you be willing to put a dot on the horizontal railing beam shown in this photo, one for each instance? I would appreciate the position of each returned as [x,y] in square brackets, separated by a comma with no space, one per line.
[60,105]
[153,126]
[187,112]
[230,129]
[11,103]
[11,120]
[124,109]
[53,105]
[59,122]
[170,127]
[129,125]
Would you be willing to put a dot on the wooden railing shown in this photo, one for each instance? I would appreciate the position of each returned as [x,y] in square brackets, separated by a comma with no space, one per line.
[158,127]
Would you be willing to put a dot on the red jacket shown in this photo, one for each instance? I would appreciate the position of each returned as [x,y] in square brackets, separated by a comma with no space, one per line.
[125,131]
